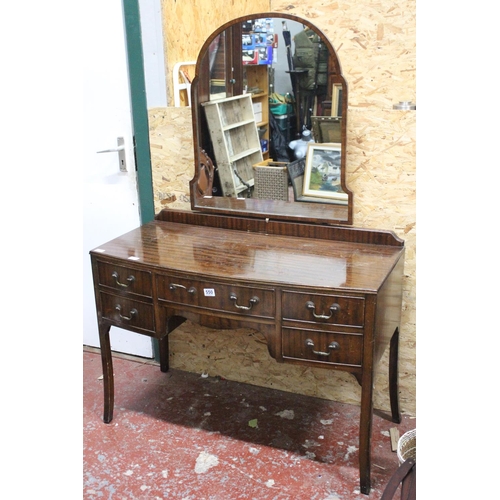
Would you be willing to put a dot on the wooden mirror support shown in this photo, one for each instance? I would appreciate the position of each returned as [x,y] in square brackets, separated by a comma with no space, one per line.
[295,209]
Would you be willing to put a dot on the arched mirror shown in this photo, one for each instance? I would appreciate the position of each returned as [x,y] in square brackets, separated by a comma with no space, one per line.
[269,106]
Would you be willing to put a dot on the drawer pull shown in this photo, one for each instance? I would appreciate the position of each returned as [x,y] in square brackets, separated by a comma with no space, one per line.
[332,346]
[253,301]
[133,312]
[333,309]
[175,286]
[130,280]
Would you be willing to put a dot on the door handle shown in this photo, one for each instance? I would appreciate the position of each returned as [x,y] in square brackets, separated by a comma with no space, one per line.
[120,149]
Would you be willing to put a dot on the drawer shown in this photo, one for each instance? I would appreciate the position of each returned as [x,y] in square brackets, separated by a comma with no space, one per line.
[328,309]
[125,312]
[335,347]
[211,295]
[125,279]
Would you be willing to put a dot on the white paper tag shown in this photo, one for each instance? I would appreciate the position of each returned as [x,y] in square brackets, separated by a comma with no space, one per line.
[209,292]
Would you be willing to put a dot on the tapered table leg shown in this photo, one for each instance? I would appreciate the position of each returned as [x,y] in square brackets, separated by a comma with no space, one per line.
[393,377]
[169,324]
[107,372]
[365,433]
[164,353]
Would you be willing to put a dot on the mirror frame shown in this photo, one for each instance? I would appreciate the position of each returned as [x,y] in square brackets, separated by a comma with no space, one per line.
[319,213]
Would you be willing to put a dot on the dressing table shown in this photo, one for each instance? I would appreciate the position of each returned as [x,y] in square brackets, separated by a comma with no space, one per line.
[323,293]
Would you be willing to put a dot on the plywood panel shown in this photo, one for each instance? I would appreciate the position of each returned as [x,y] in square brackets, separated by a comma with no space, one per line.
[188,23]
[375,41]
[172,156]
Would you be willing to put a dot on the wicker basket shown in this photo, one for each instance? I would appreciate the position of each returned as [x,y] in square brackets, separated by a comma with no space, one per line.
[271,180]
[407,446]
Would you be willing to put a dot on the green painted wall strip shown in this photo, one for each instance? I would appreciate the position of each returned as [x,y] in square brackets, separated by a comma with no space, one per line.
[140,122]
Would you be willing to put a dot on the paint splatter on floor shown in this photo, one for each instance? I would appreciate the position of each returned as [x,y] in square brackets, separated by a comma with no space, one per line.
[204,462]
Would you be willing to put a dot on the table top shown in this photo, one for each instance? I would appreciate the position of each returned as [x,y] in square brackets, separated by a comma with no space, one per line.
[255,257]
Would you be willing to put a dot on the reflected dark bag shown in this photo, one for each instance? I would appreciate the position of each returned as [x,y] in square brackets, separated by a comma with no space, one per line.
[279,146]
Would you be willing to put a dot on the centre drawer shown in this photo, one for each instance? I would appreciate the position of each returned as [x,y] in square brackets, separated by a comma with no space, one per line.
[326,309]
[217,296]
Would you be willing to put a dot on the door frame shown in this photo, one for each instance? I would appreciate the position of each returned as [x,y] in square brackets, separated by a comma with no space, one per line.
[140,122]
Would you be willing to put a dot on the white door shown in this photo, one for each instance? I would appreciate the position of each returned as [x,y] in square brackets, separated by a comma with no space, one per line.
[111,205]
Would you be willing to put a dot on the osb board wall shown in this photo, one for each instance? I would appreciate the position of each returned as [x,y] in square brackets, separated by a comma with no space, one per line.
[188,23]
[172,156]
[375,41]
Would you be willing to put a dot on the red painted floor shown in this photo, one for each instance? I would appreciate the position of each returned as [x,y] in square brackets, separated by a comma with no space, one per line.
[177,435]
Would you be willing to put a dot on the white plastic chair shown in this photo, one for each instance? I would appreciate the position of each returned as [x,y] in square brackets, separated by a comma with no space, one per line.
[178,86]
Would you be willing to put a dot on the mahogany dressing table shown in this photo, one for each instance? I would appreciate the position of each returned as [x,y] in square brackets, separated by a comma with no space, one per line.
[323,294]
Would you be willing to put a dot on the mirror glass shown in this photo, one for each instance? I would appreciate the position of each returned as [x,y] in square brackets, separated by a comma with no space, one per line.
[269,108]
[217,64]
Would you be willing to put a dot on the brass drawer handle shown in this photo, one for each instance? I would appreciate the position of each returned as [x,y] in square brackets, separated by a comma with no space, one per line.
[334,308]
[175,286]
[130,279]
[133,312]
[253,301]
[332,346]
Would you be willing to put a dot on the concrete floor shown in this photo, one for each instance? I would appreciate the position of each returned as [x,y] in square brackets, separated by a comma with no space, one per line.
[177,435]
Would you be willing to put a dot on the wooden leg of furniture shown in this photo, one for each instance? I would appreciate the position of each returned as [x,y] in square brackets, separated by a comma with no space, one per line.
[405,475]
[409,484]
[365,433]
[163,351]
[393,377]
[169,324]
[107,373]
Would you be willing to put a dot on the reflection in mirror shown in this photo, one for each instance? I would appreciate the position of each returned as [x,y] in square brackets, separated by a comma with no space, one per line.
[266,88]
[322,173]
[217,67]
[327,128]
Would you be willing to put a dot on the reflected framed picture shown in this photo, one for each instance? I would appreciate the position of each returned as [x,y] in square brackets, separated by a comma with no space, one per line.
[326,128]
[322,173]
